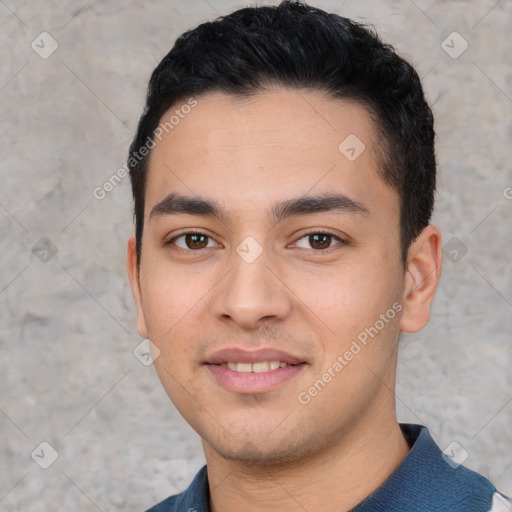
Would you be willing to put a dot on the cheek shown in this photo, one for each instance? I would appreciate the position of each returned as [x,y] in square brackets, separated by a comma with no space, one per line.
[171,309]
[346,299]
[169,296]
[173,305]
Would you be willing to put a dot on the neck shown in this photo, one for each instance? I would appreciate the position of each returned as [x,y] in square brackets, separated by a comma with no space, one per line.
[335,480]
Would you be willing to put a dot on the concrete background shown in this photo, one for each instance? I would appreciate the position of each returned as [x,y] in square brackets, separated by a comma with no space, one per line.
[67,322]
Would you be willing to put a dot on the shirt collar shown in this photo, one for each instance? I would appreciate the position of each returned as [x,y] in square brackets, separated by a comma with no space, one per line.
[425,480]
[429,480]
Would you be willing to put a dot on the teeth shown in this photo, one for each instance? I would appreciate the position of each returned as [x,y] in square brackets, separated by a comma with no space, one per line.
[259,367]
[244,367]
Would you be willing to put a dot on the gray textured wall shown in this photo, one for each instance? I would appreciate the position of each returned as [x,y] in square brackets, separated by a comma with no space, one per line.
[67,322]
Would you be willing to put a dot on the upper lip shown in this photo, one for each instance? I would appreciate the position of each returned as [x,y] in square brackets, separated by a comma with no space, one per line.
[254,356]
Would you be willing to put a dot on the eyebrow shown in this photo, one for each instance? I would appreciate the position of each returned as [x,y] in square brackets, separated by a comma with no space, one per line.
[178,204]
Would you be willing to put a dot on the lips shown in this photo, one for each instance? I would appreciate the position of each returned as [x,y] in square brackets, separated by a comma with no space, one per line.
[236,355]
[253,372]
[260,367]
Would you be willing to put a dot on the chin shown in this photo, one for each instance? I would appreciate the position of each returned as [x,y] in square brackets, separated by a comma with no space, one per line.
[257,449]
[252,454]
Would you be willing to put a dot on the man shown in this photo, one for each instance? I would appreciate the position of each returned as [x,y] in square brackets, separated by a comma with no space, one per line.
[283,174]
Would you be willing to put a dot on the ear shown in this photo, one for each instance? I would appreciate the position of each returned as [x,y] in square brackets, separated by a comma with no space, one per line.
[424,261]
[133,274]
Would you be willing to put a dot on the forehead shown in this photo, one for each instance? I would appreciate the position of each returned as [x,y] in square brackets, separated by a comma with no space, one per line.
[256,150]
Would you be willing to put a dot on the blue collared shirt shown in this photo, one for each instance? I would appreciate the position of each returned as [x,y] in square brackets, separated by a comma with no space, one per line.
[425,481]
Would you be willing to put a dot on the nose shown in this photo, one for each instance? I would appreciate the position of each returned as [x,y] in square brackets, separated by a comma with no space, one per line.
[252,293]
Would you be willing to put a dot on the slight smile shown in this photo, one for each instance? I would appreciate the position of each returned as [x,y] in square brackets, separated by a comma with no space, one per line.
[253,372]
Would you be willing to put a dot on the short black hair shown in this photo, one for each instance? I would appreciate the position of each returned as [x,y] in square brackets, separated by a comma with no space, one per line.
[298,46]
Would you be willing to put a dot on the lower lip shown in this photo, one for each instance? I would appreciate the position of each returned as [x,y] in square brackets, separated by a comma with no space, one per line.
[251,382]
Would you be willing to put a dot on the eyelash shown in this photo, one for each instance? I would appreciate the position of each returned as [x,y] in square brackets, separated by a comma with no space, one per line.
[341,241]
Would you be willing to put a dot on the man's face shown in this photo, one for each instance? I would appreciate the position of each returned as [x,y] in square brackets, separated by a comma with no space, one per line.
[251,281]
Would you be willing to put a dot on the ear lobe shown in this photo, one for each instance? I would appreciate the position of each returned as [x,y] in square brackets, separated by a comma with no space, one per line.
[424,262]
[134,277]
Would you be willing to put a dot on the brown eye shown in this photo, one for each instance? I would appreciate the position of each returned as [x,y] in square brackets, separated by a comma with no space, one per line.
[319,241]
[191,241]
[196,241]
